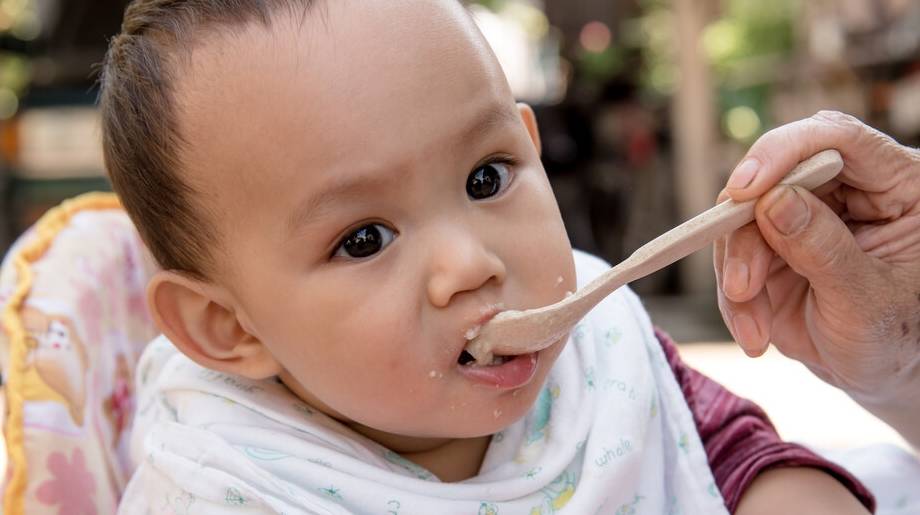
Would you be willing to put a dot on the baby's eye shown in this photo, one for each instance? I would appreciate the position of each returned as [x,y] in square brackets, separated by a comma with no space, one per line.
[365,241]
[488,180]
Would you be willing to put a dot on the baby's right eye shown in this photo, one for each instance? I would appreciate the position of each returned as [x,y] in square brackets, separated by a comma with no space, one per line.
[365,241]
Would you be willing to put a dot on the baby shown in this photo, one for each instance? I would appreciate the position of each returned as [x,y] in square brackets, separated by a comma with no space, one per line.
[338,192]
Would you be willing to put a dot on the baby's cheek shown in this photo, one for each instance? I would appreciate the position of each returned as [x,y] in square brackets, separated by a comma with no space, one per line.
[539,232]
[551,278]
[382,357]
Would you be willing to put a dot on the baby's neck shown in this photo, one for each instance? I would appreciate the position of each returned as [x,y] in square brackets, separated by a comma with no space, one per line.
[454,461]
[450,459]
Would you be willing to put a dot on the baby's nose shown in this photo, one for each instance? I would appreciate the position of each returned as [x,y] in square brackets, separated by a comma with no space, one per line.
[461,263]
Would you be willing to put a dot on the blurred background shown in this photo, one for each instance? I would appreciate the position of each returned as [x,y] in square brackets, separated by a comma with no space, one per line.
[645,106]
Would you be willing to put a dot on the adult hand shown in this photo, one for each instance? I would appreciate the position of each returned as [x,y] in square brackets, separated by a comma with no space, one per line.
[831,277]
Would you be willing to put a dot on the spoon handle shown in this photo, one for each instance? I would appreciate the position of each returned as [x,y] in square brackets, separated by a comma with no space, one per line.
[699,231]
[535,329]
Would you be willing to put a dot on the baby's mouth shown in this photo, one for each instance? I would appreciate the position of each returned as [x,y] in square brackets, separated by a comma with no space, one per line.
[466,359]
[503,372]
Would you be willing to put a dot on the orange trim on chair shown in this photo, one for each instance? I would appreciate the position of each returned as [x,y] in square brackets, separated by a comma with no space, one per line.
[46,229]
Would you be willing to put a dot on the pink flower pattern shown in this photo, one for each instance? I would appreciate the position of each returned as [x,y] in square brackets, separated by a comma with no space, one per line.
[122,405]
[71,486]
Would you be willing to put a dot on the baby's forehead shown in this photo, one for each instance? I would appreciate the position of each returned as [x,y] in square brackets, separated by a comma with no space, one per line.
[362,79]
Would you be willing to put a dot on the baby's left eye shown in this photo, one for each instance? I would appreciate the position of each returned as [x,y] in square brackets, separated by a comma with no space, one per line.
[488,180]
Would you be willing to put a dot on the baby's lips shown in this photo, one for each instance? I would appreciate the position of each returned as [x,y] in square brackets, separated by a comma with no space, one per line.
[514,373]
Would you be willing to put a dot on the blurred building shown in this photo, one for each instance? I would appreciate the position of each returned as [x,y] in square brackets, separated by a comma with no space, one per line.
[49,129]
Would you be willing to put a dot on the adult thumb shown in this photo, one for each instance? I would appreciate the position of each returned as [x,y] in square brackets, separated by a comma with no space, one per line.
[812,239]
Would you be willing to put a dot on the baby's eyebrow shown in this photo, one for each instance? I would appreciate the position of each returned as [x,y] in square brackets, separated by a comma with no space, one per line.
[494,116]
[352,186]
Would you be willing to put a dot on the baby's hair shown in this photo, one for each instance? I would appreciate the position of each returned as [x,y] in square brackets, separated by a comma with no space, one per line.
[140,138]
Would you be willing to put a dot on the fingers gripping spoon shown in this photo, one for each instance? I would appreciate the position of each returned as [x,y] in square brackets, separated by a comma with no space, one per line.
[519,332]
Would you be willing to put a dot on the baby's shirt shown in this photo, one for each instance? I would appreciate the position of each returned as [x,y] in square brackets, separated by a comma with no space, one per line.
[611,432]
[739,439]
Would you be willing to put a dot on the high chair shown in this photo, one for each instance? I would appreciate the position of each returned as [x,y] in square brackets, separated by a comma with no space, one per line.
[74,323]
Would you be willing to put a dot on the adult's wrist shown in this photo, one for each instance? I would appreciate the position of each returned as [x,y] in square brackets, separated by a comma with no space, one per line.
[900,410]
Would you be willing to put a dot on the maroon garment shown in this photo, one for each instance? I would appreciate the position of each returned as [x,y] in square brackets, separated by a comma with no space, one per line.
[739,439]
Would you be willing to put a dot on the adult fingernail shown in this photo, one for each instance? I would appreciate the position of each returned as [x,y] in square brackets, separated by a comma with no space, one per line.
[743,175]
[789,212]
[737,277]
[746,330]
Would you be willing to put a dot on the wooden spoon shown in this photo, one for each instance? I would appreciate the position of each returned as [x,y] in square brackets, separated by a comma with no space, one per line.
[520,332]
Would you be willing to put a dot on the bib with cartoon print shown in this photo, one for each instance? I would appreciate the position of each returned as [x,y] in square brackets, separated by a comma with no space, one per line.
[610,432]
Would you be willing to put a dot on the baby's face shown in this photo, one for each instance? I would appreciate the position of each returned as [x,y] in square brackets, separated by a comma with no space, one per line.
[379,195]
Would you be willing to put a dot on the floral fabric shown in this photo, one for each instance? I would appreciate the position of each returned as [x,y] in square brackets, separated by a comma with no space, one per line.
[83,325]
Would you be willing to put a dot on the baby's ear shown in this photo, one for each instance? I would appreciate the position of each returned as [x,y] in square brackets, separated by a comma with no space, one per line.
[200,320]
[530,122]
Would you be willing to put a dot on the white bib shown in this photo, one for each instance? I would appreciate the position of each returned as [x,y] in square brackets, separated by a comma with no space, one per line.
[610,433]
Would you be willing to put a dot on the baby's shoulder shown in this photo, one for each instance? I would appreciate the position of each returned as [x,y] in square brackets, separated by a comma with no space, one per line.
[588,266]
[620,314]
[153,360]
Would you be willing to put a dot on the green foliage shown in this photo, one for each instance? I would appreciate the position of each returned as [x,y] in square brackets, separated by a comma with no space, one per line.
[749,29]
[653,35]
[601,66]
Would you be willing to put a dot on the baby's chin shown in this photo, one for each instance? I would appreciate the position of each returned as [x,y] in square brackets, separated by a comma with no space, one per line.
[479,424]
[457,420]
